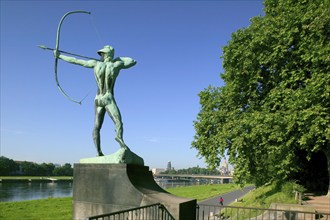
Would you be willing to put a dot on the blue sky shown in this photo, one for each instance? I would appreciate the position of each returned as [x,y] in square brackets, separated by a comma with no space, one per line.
[177,45]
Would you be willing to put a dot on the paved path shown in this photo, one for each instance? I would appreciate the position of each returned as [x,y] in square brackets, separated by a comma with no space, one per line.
[227,197]
[320,203]
[209,207]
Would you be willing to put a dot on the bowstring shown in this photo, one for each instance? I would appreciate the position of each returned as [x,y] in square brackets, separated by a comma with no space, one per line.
[100,39]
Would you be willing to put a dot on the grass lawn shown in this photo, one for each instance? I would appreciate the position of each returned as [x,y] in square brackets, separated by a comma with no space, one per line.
[263,196]
[53,208]
[202,192]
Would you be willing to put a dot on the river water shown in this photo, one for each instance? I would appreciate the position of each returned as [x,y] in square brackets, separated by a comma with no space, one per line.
[18,191]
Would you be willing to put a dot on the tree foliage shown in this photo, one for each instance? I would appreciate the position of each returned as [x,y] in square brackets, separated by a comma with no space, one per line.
[9,167]
[276,95]
[65,170]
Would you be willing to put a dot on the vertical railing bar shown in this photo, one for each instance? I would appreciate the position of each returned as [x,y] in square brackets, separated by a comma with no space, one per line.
[225,211]
[156,212]
[214,211]
[197,212]
[231,212]
[161,212]
[268,214]
[276,214]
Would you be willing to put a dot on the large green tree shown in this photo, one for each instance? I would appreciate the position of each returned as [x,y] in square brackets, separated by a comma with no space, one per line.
[275,101]
[7,166]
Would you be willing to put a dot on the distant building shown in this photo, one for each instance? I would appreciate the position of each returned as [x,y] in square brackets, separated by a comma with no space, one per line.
[224,170]
[156,171]
[169,166]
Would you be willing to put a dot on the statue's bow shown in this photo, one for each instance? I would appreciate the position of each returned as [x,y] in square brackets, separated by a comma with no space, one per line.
[57,50]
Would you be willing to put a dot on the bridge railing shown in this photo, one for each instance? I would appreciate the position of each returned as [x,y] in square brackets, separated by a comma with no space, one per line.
[149,212]
[211,212]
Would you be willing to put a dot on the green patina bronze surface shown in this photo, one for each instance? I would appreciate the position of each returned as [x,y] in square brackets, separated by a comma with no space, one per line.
[120,156]
[106,70]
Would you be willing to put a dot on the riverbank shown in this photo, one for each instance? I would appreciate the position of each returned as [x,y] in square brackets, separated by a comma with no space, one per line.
[61,208]
[11,179]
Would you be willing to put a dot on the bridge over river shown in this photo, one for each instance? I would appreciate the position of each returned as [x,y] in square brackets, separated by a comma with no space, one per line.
[194,178]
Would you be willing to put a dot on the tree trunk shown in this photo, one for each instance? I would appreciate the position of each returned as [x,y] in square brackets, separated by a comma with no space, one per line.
[327,154]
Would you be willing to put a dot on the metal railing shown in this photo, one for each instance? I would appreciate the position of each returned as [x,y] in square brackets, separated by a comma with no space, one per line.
[210,212]
[148,212]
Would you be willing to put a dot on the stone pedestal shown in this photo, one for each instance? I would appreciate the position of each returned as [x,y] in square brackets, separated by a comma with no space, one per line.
[105,188]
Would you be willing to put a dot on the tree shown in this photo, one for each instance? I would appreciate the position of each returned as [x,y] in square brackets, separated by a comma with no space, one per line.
[65,170]
[7,166]
[29,168]
[46,169]
[276,95]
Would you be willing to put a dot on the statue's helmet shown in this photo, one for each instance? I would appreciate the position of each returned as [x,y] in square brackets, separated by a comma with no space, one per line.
[107,49]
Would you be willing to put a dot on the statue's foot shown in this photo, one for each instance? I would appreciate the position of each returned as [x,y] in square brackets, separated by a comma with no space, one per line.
[121,143]
[100,154]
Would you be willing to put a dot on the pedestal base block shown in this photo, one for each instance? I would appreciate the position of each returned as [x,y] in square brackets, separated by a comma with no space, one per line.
[120,156]
[105,188]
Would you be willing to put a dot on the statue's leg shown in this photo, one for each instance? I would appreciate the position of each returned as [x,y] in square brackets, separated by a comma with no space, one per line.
[115,115]
[99,117]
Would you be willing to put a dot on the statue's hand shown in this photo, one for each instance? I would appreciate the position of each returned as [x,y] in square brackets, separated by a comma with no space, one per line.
[56,54]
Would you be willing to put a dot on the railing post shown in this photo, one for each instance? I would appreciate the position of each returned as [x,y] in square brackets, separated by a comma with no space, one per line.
[197,212]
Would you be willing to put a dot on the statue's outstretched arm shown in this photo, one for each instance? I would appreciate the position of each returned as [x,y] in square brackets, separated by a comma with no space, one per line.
[73,60]
[127,62]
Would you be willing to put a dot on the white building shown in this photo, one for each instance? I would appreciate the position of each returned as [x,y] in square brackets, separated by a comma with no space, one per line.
[156,171]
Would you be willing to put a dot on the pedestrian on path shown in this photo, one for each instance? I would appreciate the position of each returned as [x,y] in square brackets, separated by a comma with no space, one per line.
[221,201]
